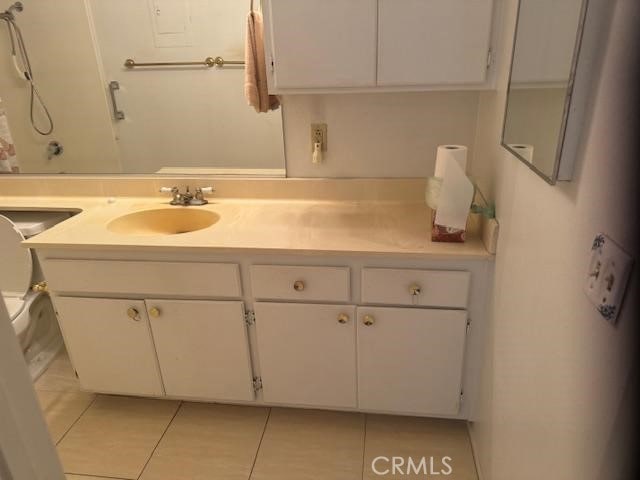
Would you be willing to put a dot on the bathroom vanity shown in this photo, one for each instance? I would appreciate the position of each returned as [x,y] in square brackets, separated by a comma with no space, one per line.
[322,305]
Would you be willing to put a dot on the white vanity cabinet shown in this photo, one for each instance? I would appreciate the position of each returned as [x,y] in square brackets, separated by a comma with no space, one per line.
[110,344]
[354,332]
[366,45]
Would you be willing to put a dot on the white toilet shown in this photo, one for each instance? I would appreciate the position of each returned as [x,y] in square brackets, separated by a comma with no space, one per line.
[31,312]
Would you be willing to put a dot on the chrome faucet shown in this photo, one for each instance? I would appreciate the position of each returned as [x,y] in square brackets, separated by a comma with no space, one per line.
[187,198]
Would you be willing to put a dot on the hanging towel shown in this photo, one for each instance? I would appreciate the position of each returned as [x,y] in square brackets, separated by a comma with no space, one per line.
[8,159]
[255,83]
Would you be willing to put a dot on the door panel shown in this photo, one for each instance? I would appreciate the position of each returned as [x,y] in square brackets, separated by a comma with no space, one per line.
[110,350]
[202,348]
[410,360]
[307,354]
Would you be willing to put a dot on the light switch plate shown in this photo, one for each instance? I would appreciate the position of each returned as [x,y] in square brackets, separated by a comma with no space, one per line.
[607,277]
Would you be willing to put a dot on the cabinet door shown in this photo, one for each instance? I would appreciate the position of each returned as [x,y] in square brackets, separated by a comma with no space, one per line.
[433,42]
[315,44]
[202,349]
[307,354]
[410,360]
[110,344]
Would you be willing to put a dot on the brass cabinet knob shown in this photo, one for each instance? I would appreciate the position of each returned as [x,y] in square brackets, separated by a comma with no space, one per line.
[368,320]
[343,318]
[155,312]
[298,285]
[40,287]
[415,289]
[133,314]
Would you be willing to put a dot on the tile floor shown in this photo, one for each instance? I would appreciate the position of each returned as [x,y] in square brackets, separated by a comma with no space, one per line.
[112,437]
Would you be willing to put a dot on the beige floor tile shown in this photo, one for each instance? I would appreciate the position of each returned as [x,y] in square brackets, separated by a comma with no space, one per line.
[60,375]
[62,409]
[389,436]
[311,445]
[208,442]
[116,436]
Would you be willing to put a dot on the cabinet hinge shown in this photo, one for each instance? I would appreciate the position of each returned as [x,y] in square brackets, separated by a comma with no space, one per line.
[250,317]
[489,59]
[461,397]
[468,325]
[257,383]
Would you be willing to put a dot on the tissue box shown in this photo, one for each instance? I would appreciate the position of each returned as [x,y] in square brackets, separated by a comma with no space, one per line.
[440,233]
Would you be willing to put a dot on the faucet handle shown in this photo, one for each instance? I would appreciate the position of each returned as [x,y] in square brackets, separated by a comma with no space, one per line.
[168,190]
[198,198]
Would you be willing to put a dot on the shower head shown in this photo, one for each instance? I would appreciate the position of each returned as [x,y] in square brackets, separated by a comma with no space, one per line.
[8,13]
[18,7]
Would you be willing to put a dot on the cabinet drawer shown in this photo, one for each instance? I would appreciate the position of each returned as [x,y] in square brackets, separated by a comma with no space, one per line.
[330,284]
[156,278]
[435,288]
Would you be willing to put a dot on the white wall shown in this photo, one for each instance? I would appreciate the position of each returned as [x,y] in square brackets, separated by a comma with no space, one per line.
[70,84]
[555,371]
[377,135]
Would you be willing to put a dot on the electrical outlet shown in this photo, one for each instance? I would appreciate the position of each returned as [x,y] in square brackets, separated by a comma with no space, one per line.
[607,278]
[319,135]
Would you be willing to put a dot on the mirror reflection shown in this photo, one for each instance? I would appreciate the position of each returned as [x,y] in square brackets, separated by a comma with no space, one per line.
[69,104]
[541,71]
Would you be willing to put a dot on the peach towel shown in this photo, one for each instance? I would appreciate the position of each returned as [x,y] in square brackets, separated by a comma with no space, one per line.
[255,82]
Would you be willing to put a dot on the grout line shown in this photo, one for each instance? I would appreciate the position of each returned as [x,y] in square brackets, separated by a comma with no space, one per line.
[95,397]
[364,443]
[264,430]
[96,476]
[160,439]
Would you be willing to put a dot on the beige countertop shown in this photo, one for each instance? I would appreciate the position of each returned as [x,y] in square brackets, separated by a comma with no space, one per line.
[260,226]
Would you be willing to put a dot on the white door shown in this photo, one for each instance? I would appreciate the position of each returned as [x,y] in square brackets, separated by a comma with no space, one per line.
[307,354]
[203,349]
[110,344]
[433,42]
[410,360]
[26,450]
[317,44]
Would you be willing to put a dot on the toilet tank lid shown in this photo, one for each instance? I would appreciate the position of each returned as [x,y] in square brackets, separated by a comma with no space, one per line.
[32,223]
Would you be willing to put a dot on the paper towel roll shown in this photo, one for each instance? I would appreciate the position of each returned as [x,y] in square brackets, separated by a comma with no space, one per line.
[447,154]
[455,198]
[524,150]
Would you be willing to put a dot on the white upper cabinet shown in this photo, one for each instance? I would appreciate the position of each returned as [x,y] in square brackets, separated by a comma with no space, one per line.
[433,42]
[319,44]
[368,44]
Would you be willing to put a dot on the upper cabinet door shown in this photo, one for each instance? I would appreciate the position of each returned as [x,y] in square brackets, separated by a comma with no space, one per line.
[433,42]
[321,44]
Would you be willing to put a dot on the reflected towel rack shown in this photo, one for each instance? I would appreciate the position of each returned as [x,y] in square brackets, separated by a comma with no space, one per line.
[207,62]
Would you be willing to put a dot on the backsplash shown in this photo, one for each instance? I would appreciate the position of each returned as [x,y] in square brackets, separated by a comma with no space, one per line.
[377,135]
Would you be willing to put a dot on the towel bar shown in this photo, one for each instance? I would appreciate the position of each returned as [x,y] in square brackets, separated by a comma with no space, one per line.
[207,62]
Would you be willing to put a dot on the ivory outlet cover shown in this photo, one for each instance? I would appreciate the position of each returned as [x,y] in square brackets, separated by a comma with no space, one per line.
[607,277]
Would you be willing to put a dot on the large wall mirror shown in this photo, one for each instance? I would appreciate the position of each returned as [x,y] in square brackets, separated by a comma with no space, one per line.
[538,127]
[107,118]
